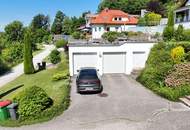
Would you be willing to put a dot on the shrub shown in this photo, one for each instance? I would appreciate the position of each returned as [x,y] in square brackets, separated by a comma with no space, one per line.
[168,33]
[187,56]
[76,35]
[159,65]
[60,76]
[179,75]
[55,57]
[156,70]
[178,54]
[169,29]
[13,53]
[110,36]
[186,34]
[61,43]
[142,22]
[179,34]
[152,19]
[32,101]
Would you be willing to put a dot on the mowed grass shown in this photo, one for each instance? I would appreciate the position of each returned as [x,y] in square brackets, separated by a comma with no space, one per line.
[57,90]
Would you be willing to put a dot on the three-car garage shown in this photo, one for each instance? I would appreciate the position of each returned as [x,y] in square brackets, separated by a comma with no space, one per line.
[109,58]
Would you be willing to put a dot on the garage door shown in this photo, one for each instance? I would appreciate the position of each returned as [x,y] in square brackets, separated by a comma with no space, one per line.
[114,62]
[84,60]
[139,60]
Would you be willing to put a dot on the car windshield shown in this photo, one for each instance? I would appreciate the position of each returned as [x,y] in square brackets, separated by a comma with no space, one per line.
[88,74]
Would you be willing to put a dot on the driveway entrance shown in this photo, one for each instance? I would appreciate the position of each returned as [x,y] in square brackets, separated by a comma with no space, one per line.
[126,105]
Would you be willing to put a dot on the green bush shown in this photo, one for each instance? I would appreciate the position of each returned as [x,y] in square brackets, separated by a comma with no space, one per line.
[168,33]
[13,54]
[152,19]
[110,36]
[178,54]
[142,22]
[179,34]
[32,101]
[186,34]
[61,43]
[60,76]
[187,56]
[76,35]
[158,66]
[55,57]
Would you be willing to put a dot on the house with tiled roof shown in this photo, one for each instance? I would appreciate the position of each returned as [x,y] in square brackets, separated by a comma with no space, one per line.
[111,20]
[182,14]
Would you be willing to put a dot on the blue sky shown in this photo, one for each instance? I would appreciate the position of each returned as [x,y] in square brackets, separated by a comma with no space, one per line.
[24,10]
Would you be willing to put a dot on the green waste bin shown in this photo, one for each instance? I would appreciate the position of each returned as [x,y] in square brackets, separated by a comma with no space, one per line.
[4,114]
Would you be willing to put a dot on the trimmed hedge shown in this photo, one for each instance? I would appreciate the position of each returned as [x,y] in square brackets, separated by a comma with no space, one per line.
[60,76]
[61,43]
[55,57]
[32,101]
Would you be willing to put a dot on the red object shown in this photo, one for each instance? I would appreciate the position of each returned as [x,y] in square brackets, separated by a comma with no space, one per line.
[5,103]
[107,17]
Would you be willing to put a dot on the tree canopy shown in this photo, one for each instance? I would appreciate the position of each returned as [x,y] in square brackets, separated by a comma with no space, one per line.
[57,26]
[129,6]
[40,21]
[14,31]
[135,6]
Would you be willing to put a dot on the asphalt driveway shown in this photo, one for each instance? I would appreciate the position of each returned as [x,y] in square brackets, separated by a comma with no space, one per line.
[127,105]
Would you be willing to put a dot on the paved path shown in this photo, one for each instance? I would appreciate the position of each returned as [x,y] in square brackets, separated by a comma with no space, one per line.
[128,106]
[18,70]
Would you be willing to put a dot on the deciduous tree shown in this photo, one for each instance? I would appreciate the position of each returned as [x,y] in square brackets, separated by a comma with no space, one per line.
[14,31]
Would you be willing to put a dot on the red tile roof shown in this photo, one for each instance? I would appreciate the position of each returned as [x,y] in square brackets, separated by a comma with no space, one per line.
[107,16]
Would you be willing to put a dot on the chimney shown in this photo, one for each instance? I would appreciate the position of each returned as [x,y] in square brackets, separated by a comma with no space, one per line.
[106,9]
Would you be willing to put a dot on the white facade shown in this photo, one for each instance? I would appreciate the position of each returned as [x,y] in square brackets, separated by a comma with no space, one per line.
[182,16]
[109,58]
[99,30]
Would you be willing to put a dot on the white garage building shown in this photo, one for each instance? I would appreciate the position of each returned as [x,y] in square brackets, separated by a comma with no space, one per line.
[107,58]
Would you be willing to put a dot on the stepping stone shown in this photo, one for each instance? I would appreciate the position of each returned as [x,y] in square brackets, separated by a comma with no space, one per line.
[188,97]
[186,101]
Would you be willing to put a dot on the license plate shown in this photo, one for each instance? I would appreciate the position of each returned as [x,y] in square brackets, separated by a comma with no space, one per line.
[89,89]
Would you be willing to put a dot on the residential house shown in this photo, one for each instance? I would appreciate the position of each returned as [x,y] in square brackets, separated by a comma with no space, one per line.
[111,20]
[182,15]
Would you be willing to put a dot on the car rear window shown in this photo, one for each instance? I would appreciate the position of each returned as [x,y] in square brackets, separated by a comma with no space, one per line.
[88,74]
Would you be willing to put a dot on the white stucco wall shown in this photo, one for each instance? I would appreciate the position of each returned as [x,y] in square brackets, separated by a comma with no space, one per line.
[129,48]
[97,32]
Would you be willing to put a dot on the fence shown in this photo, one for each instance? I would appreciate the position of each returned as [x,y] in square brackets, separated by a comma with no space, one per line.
[149,30]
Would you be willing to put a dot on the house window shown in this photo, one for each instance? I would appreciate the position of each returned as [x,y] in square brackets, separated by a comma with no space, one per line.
[120,19]
[95,29]
[108,29]
[100,28]
[115,19]
[116,28]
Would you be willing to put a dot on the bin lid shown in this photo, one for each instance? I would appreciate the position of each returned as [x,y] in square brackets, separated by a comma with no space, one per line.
[5,103]
[12,105]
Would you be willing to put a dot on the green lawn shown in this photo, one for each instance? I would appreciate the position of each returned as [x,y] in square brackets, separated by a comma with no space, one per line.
[58,91]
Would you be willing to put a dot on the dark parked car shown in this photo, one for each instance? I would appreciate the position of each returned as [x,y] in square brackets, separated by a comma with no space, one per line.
[88,81]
